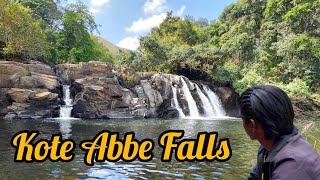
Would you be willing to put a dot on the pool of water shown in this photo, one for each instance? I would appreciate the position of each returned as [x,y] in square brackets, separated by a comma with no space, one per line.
[243,150]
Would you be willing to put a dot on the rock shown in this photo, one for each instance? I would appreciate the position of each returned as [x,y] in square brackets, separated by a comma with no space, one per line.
[166,111]
[139,113]
[229,99]
[4,101]
[28,90]
[33,111]
[38,103]
[46,81]
[44,96]
[119,104]
[84,69]
[114,91]
[154,96]
[26,95]
[101,92]
[37,68]
[163,84]
[27,76]
[129,77]
[19,95]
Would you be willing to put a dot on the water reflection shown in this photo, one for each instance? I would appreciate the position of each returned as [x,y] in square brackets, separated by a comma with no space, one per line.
[65,128]
[243,150]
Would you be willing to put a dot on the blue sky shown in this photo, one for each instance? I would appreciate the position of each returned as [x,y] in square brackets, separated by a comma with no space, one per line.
[124,21]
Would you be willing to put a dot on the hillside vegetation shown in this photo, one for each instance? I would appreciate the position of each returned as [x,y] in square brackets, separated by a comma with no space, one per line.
[253,42]
[45,28]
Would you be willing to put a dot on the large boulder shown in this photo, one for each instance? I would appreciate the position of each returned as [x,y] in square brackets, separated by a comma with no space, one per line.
[69,72]
[27,76]
[165,110]
[28,90]
[153,97]
[32,104]
[101,92]
[98,98]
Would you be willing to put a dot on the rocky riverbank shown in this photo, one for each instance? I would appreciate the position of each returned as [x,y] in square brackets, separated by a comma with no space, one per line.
[34,90]
[28,90]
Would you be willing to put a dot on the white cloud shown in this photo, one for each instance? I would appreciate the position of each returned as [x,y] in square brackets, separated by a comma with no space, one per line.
[144,25]
[180,11]
[131,43]
[97,5]
[155,6]
[93,10]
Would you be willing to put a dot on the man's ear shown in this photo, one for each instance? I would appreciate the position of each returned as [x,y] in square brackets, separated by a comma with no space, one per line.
[253,125]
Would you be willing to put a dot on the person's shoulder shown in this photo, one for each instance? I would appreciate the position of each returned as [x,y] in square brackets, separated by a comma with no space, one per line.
[296,160]
[298,150]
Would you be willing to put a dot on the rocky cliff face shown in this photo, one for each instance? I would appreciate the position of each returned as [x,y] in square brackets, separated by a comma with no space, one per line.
[28,90]
[101,92]
[33,90]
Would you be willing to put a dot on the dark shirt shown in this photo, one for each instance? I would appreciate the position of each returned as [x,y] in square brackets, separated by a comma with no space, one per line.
[291,157]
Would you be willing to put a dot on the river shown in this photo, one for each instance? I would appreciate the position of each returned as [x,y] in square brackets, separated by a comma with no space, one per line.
[243,150]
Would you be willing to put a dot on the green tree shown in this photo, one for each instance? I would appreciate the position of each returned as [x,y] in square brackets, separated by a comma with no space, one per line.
[20,32]
[47,10]
[74,43]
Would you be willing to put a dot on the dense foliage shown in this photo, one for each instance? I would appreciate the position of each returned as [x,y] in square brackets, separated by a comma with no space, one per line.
[44,28]
[253,42]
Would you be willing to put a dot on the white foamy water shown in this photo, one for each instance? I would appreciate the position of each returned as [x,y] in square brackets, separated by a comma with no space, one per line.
[215,102]
[65,110]
[176,103]
[191,102]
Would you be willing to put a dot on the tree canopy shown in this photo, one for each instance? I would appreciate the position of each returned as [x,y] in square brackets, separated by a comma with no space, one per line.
[253,42]
[62,34]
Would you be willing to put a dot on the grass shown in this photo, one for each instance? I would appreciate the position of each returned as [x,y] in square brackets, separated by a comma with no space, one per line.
[309,127]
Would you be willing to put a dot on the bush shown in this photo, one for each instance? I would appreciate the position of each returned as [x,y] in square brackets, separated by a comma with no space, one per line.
[297,87]
[228,73]
[250,78]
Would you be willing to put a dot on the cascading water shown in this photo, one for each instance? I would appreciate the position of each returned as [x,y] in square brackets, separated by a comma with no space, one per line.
[65,110]
[208,109]
[191,103]
[212,107]
[214,101]
[175,101]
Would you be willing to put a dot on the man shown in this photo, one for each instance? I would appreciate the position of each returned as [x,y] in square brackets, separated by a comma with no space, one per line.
[267,116]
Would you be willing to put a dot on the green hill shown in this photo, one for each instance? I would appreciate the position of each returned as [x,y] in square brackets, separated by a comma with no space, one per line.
[112,48]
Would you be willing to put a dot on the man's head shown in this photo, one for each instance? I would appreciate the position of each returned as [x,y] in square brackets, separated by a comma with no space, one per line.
[266,109]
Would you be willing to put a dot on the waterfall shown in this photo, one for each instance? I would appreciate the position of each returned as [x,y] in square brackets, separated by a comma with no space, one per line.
[176,103]
[207,106]
[65,110]
[191,103]
[214,101]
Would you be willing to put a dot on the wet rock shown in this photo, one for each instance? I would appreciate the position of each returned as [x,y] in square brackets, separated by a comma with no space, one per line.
[166,111]
[99,91]
[229,99]
[4,101]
